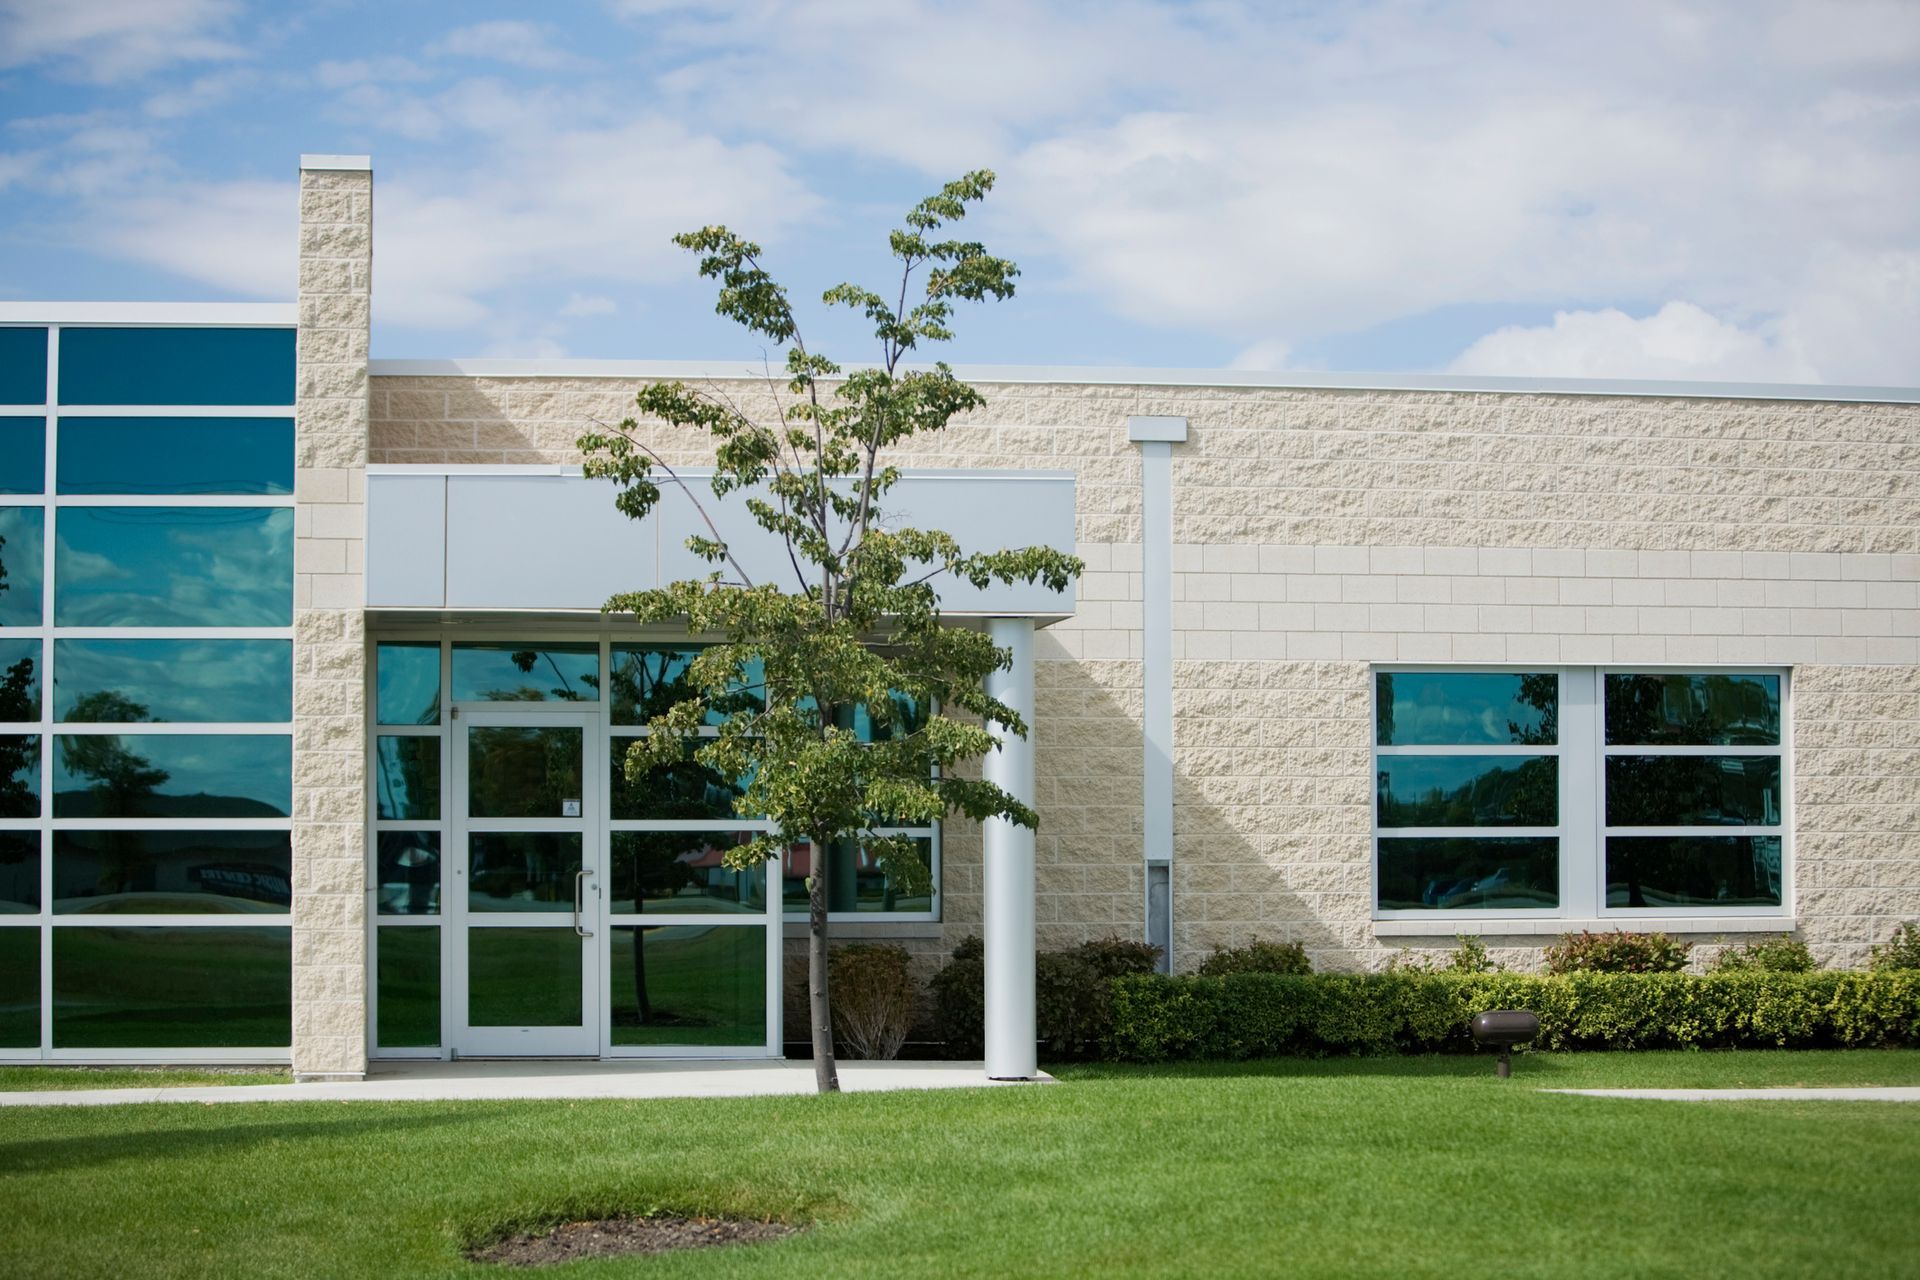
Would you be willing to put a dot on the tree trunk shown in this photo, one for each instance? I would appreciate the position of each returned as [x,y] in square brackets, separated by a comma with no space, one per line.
[826,1076]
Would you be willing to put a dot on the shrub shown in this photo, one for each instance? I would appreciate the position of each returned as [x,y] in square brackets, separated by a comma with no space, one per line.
[1902,951]
[1469,957]
[1252,1015]
[1257,957]
[1073,1000]
[1767,955]
[1617,952]
[873,998]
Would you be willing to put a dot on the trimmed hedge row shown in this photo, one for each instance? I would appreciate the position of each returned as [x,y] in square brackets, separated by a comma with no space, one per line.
[1254,1015]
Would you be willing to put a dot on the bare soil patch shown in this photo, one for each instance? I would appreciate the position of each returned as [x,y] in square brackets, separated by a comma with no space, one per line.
[625,1237]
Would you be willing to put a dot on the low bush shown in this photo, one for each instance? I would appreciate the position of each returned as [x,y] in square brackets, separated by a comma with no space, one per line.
[873,998]
[1617,952]
[1257,957]
[1767,955]
[1262,1015]
[1073,996]
[1469,957]
[1902,951]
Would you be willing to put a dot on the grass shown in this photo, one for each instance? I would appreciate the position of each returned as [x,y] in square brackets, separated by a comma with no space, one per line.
[20,1079]
[1363,1167]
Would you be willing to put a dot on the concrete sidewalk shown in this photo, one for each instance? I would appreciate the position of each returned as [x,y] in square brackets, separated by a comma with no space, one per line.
[1892,1093]
[498,1081]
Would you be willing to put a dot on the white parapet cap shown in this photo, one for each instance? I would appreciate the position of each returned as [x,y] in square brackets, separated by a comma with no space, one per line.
[360,164]
[1068,375]
[1156,428]
[227,314]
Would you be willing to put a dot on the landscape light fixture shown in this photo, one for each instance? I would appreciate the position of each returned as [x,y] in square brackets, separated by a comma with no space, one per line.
[1505,1028]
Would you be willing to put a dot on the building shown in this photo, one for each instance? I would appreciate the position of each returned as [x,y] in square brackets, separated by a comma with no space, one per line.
[1360,662]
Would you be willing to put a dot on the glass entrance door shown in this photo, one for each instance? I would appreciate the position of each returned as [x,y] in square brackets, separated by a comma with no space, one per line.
[527,863]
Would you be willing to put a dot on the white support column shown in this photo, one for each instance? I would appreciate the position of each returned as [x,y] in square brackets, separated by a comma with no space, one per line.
[1008,857]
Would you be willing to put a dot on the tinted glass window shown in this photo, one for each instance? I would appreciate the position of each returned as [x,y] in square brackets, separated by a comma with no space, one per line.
[173,776]
[1471,709]
[23,455]
[649,678]
[176,366]
[524,978]
[409,873]
[19,988]
[19,775]
[409,676]
[19,872]
[1498,873]
[681,871]
[164,988]
[686,790]
[1693,871]
[174,567]
[176,455]
[22,565]
[1693,791]
[1693,710]
[172,872]
[409,987]
[689,985]
[532,772]
[1469,791]
[522,870]
[855,881]
[124,681]
[23,367]
[524,673]
[19,681]
[406,781]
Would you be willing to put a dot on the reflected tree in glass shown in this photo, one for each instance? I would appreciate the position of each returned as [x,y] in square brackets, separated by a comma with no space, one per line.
[122,781]
[19,753]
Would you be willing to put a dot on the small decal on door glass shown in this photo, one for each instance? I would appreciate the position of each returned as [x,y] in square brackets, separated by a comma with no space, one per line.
[569,808]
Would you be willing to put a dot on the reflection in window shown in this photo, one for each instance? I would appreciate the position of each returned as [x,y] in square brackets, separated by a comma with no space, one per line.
[1469,791]
[1693,791]
[523,673]
[408,874]
[408,987]
[23,455]
[207,681]
[176,455]
[174,567]
[23,365]
[19,872]
[173,776]
[19,987]
[19,775]
[22,556]
[168,988]
[1693,710]
[687,790]
[409,679]
[406,778]
[530,772]
[524,978]
[19,681]
[522,870]
[1456,708]
[179,365]
[663,872]
[172,872]
[1494,873]
[649,678]
[688,985]
[855,881]
[1693,871]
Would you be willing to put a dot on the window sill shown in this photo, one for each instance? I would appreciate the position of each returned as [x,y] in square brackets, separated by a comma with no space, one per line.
[1482,927]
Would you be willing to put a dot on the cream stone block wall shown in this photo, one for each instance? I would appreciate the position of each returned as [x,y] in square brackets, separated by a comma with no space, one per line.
[1319,532]
[329,686]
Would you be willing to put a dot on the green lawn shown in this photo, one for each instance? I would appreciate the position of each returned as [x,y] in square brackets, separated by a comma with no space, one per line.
[17,1079]
[1363,1167]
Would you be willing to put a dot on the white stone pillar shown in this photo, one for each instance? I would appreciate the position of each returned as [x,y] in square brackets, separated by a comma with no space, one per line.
[1007,851]
[330,977]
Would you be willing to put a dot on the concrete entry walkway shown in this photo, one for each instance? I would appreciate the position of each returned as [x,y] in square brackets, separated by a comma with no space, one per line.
[429,1081]
[1891,1093]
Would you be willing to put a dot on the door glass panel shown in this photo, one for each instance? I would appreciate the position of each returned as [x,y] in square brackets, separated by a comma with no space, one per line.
[689,985]
[522,871]
[523,772]
[524,978]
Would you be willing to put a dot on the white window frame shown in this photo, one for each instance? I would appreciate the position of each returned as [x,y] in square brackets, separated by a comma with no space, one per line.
[1582,750]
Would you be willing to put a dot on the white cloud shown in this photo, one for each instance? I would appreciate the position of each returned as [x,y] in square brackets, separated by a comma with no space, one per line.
[106,40]
[1679,340]
[200,94]
[519,44]
[580,305]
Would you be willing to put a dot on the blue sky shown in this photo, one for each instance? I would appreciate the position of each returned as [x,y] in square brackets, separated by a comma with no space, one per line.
[1666,189]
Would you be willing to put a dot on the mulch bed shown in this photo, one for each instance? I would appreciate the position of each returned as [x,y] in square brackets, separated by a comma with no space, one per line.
[624,1237]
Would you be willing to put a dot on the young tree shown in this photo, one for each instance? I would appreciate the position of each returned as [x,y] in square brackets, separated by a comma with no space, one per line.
[858,624]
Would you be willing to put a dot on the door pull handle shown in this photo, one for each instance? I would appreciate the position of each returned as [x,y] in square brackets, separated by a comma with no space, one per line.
[580,902]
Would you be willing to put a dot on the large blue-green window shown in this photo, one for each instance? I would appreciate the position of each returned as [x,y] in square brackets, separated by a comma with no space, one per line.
[146,692]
